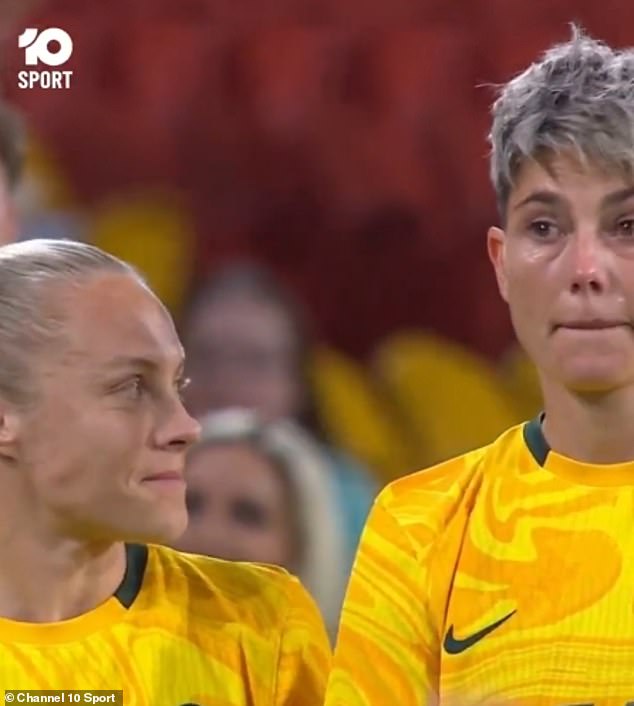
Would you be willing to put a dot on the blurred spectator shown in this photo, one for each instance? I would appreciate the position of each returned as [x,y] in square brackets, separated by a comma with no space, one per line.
[45,203]
[248,345]
[259,492]
[12,144]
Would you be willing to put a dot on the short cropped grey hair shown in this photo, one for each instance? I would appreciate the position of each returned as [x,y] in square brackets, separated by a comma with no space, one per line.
[578,96]
[30,323]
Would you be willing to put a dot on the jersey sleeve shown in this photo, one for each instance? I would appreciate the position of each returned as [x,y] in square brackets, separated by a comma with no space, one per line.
[305,653]
[387,648]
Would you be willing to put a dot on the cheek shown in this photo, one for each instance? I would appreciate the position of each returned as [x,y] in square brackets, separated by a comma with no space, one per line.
[196,535]
[280,532]
[628,288]
[88,455]
[272,544]
[528,300]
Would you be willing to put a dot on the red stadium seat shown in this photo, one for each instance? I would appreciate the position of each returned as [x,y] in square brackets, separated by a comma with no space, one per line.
[282,77]
[399,13]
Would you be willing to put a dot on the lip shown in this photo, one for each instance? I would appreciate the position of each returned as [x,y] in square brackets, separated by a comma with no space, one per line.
[593,325]
[165,477]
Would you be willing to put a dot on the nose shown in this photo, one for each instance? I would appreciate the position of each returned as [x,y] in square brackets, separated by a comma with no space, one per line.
[179,429]
[588,258]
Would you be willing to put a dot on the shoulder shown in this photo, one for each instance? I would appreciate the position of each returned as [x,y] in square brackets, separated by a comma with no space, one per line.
[260,595]
[415,530]
[432,497]
[257,621]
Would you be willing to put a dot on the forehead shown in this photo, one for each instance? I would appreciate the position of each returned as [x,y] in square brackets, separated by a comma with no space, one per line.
[566,174]
[230,455]
[233,466]
[114,315]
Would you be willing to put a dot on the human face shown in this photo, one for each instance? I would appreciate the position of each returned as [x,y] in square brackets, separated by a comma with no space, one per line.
[103,448]
[565,265]
[239,507]
[242,353]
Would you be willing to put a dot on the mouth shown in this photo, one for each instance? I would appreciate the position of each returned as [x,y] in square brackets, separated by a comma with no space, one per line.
[592,325]
[166,478]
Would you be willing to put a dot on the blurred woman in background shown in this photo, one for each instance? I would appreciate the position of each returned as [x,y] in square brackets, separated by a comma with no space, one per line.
[248,345]
[258,491]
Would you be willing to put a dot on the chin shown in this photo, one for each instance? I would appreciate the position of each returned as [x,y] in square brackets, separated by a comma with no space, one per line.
[593,379]
[592,371]
[164,529]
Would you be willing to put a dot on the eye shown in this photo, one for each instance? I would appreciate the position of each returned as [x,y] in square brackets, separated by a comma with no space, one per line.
[181,385]
[250,513]
[625,227]
[134,387]
[543,229]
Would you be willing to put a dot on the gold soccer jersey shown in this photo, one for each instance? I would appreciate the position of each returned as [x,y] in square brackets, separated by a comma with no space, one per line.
[181,630]
[504,577]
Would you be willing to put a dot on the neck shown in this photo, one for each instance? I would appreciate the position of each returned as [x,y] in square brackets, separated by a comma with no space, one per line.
[56,579]
[594,429]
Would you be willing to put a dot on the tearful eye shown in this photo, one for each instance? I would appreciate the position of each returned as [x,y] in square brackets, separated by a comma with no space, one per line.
[543,229]
[626,227]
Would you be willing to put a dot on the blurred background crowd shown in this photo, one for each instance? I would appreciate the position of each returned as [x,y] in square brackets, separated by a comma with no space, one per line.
[305,184]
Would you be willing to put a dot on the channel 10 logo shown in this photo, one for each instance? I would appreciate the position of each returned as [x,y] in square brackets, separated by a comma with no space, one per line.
[50,47]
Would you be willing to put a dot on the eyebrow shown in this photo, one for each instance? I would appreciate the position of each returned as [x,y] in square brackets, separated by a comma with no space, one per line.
[547,198]
[125,361]
[552,198]
[618,196]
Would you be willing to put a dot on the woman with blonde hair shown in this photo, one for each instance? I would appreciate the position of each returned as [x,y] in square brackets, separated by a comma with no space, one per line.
[258,491]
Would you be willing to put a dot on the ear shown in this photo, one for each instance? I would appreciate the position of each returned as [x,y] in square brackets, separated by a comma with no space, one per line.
[9,431]
[496,247]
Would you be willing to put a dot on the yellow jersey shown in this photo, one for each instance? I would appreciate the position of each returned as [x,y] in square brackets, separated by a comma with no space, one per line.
[504,577]
[181,630]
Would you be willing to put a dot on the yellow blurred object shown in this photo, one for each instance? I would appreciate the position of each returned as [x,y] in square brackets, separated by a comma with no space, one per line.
[451,401]
[153,233]
[522,382]
[355,417]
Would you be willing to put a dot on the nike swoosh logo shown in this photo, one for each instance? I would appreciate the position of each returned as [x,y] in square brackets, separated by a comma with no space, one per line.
[454,645]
